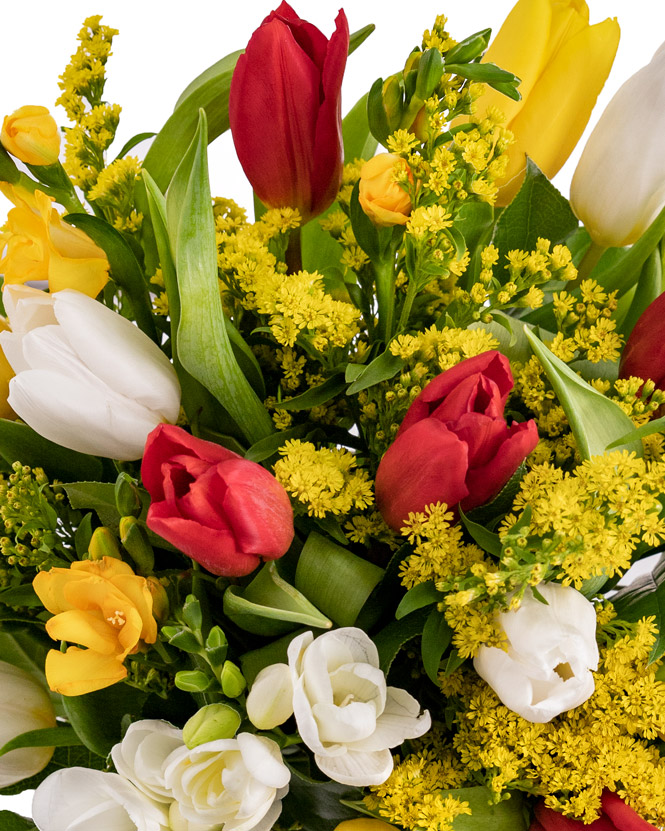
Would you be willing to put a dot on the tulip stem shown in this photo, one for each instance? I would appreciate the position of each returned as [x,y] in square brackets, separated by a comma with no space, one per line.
[293,255]
[589,261]
[385,295]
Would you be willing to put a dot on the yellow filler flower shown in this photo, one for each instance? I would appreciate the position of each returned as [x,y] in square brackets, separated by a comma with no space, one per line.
[563,63]
[39,246]
[106,608]
[31,134]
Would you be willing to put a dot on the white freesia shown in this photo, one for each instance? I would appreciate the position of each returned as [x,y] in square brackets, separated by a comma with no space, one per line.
[78,799]
[86,378]
[552,649]
[270,701]
[141,755]
[346,713]
[619,185]
[24,705]
[236,783]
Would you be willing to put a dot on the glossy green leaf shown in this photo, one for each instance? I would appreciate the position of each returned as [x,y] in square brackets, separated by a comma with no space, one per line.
[595,420]
[482,536]
[46,737]
[393,637]
[437,636]
[359,143]
[645,597]
[203,343]
[382,368]
[9,821]
[508,815]
[131,143]
[423,594]
[648,429]
[316,805]
[115,702]
[265,448]
[315,396]
[358,37]
[647,289]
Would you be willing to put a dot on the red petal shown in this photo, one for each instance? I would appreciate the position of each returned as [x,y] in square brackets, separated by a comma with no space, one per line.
[622,815]
[644,352]
[482,434]
[554,821]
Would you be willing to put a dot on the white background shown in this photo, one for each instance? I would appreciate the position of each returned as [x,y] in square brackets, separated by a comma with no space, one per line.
[163,45]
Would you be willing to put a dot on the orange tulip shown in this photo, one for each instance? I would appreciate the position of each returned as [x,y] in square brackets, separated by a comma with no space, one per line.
[31,135]
[380,196]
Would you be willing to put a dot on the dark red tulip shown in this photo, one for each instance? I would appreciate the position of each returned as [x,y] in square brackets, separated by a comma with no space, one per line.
[285,111]
[223,511]
[644,353]
[454,445]
[615,816]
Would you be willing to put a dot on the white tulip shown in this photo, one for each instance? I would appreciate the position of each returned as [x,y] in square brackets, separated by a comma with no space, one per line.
[74,799]
[24,705]
[140,756]
[86,378]
[552,649]
[235,783]
[619,185]
[345,712]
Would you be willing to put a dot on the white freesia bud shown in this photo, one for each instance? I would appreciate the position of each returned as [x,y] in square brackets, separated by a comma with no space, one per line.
[619,185]
[270,701]
[345,711]
[74,799]
[552,649]
[250,780]
[24,705]
[140,756]
[86,378]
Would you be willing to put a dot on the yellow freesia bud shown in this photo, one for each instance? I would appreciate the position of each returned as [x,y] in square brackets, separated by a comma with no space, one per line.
[39,246]
[31,135]
[365,824]
[563,63]
[6,375]
[103,606]
[384,201]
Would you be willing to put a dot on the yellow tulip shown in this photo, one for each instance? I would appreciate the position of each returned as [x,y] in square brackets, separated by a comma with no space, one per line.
[105,607]
[380,196]
[31,135]
[39,246]
[563,63]
[6,375]
[365,824]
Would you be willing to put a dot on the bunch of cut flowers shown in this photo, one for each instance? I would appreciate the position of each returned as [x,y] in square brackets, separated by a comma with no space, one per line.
[317,521]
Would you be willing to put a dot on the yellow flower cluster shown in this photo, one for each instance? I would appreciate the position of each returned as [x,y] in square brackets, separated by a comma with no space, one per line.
[441,349]
[607,742]
[323,481]
[114,192]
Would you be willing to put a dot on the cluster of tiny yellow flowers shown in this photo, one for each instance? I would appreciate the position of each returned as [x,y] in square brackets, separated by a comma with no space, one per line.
[114,192]
[605,743]
[82,85]
[370,526]
[324,481]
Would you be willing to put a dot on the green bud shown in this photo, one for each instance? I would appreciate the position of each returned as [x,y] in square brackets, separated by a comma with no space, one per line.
[127,497]
[233,681]
[182,639]
[377,117]
[469,48]
[134,538]
[192,614]
[430,70]
[214,721]
[192,681]
[103,543]
[216,646]
[393,101]
[412,61]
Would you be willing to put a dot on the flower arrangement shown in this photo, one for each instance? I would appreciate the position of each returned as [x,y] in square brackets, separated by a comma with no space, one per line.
[317,521]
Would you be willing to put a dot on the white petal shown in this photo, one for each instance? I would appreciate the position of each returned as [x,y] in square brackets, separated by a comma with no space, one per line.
[357,768]
[119,353]
[307,725]
[74,415]
[270,700]
[141,755]
[400,720]
[263,758]
[27,307]
[356,720]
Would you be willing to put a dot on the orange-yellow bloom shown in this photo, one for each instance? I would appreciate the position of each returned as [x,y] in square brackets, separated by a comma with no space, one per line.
[31,135]
[6,374]
[563,63]
[365,824]
[102,606]
[38,245]
[380,196]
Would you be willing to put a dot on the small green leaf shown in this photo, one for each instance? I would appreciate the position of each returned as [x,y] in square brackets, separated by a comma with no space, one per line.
[46,737]
[131,143]
[595,420]
[359,37]
[192,681]
[648,429]
[469,48]
[486,539]
[437,636]
[366,233]
[488,73]
[382,368]
[316,396]
[377,118]
[430,68]
[423,594]
[265,448]
[645,597]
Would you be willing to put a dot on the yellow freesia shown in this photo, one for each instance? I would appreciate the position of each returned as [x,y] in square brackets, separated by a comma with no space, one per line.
[31,134]
[365,824]
[6,375]
[39,246]
[563,63]
[103,606]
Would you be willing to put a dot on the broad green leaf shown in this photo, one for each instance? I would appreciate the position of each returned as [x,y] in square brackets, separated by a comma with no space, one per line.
[98,497]
[424,594]
[397,634]
[359,143]
[315,396]
[18,442]
[316,805]
[203,344]
[648,288]
[648,429]
[437,636]
[46,737]
[8,170]
[24,596]
[383,367]
[115,702]
[645,597]
[9,821]
[320,251]
[25,647]
[64,757]
[474,221]
[595,420]
[131,143]
[336,581]
[125,268]
[265,448]
[271,606]
[538,210]
[482,536]
[367,235]
[274,652]
[508,815]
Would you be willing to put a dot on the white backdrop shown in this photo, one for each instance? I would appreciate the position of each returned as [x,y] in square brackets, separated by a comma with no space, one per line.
[163,45]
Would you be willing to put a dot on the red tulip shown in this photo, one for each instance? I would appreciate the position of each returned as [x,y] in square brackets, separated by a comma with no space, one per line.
[644,353]
[454,445]
[285,111]
[615,816]
[223,511]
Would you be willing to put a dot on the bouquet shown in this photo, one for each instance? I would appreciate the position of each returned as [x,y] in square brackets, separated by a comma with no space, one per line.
[316,521]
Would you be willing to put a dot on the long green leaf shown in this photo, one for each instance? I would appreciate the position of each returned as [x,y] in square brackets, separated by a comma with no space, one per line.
[98,733]
[422,594]
[437,636]
[315,396]
[359,143]
[397,634]
[596,421]
[203,344]
[46,737]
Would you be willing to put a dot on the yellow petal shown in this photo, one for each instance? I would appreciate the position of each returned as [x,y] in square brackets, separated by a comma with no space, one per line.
[107,567]
[86,629]
[136,589]
[50,588]
[80,671]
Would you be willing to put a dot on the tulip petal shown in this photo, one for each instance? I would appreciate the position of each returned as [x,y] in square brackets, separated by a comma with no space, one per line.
[622,815]
[263,757]
[80,671]
[357,768]
[270,700]
[644,353]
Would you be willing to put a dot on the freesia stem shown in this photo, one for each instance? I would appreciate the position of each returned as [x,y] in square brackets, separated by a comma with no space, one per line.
[293,253]
[385,295]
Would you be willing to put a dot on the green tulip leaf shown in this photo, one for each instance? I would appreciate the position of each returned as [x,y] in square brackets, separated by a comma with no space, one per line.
[423,594]
[648,429]
[647,289]
[116,702]
[315,396]
[131,143]
[359,143]
[437,636]
[46,737]
[393,637]
[382,368]
[596,421]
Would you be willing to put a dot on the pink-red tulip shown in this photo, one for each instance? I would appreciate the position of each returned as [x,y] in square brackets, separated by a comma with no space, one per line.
[454,445]
[285,111]
[615,816]
[644,353]
[223,511]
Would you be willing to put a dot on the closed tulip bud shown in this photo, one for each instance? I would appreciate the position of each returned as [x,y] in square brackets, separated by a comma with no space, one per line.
[25,705]
[619,184]
[87,378]
[644,353]
[31,135]
[563,63]
[135,540]
[214,721]
[285,111]
[384,200]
